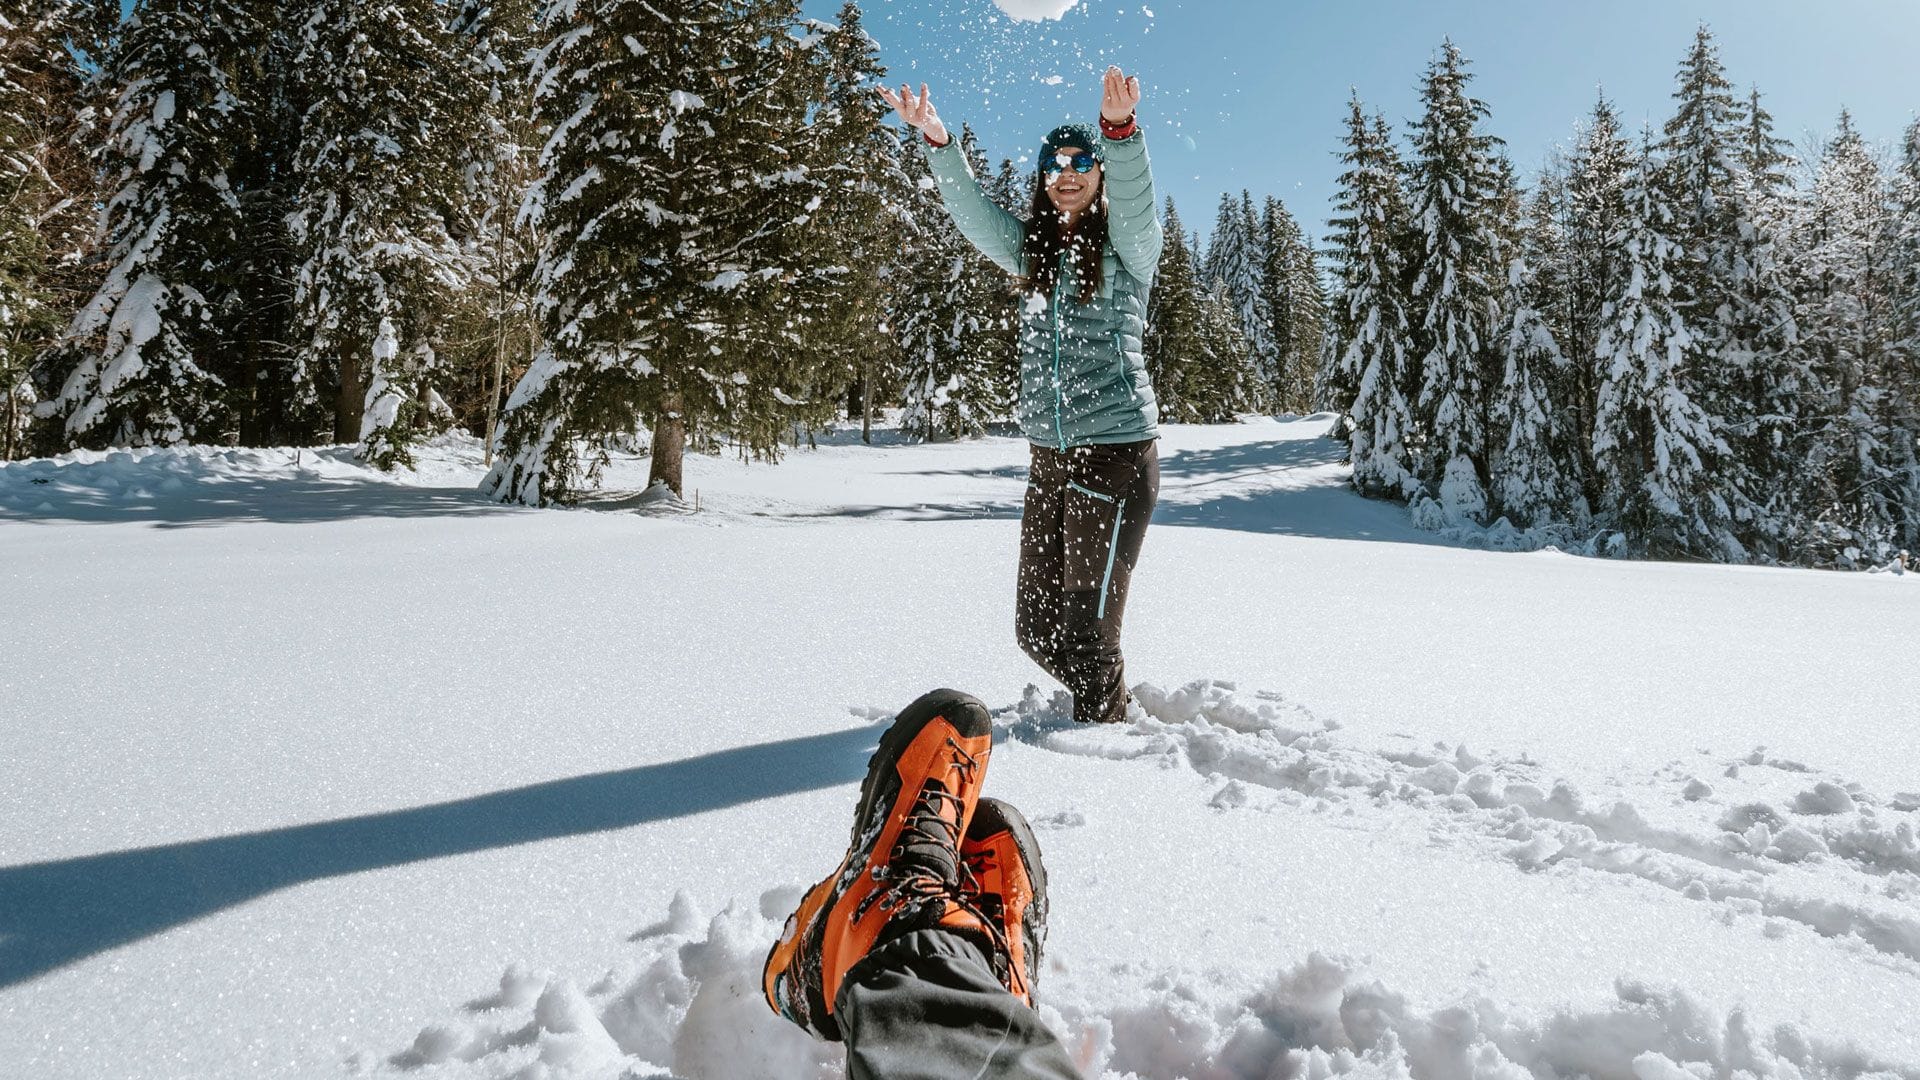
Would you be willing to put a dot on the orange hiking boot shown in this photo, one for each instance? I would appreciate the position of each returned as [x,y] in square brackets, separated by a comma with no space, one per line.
[1010,886]
[902,868]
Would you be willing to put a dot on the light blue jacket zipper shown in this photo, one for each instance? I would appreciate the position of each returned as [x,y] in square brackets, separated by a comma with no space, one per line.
[1059,393]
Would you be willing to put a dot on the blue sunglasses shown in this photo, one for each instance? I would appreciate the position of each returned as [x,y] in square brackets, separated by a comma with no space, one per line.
[1082,162]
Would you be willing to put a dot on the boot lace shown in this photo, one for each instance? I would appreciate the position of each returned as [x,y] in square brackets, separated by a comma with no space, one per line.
[934,821]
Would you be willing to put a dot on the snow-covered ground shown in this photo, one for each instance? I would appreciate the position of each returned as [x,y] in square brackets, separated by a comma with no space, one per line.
[311,772]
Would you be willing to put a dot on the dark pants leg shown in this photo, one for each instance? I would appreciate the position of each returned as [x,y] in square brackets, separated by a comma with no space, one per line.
[927,1007]
[1085,521]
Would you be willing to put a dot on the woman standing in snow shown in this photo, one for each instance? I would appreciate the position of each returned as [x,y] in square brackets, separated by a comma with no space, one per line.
[1085,259]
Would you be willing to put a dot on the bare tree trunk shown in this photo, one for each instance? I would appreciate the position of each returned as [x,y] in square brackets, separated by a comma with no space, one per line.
[352,401]
[866,411]
[669,446]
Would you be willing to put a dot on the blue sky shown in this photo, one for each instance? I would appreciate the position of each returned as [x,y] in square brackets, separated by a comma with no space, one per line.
[1251,93]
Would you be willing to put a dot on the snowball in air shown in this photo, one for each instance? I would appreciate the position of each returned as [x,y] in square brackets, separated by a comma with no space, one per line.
[1034,10]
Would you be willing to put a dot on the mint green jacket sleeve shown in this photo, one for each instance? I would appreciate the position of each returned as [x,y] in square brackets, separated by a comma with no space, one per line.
[986,224]
[1133,223]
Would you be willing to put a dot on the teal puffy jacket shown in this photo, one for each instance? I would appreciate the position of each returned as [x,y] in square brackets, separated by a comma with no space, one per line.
[1083,379]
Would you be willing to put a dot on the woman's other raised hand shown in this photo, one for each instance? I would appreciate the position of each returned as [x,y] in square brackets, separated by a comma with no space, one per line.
[1120,96]
[918,111]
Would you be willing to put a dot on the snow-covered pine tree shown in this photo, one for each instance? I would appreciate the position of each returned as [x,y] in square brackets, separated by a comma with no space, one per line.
[377,163]
[274,405]
[1763,156]
[1760,342]
[1455,188]
[1013,188]
[491,329]
[1598,172]
[1904,358]
[1252,318]
[1856,465]
[142,358]
[45,218]
[1222,382]
[1226,249]
[1010,187]
[1173,347]
[951,315]
[1290,307]
[1308,325]
[862,166]
[675,277]
[1546,290]
[1532,483]
[1233,265]
[1543,248]
[1654,449]
[1367,326]
[1700,151]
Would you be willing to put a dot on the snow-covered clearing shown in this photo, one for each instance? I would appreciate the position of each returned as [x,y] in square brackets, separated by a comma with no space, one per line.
[311,772]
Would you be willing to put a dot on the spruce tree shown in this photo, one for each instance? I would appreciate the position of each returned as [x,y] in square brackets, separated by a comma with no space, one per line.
[491,327]
[45,186]
[1856,465]
[1533,482]
[1701,148]
[275,403]
[1010,187]
[1306,329]
[1290,307]
[1174,349]
[1456,193]
[1367,329]
[1013,188]
[1233,265]
[677,283]
[1904,352]
[1598,173]
[1654,449]
[142,360]
[1759,334]
[1763,157]
[1250,315]
[1222,382]
[377,188]
[861,164]
[951,313]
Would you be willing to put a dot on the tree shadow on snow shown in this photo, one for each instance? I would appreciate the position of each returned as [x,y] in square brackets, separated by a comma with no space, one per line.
[203,501]
[1245,488]
[1195,491]
[56,913]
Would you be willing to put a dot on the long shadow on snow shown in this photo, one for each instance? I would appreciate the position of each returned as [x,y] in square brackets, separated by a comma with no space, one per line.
[56,913]
[220,501]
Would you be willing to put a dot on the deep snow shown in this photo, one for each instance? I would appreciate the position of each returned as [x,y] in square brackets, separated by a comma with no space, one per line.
[313,772]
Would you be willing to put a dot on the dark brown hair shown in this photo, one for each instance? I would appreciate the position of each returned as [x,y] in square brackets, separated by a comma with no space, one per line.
[1043,243]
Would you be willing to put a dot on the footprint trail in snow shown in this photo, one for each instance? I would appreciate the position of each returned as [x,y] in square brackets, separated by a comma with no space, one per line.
[1764,842]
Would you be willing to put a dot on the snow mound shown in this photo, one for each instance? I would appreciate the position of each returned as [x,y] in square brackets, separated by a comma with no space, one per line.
[175,482]
[1835,861]
[689,1002]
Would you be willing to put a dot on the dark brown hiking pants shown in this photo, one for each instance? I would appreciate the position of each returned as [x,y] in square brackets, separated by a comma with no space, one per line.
[1086,517]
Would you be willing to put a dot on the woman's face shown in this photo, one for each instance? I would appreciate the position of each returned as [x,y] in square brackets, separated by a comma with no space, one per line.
[1070,190]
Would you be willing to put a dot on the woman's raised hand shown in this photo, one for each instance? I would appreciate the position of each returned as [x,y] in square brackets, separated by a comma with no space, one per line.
[1120,97]
[917,111]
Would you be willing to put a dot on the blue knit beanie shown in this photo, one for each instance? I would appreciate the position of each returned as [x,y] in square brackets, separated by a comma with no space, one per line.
[1080,135]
